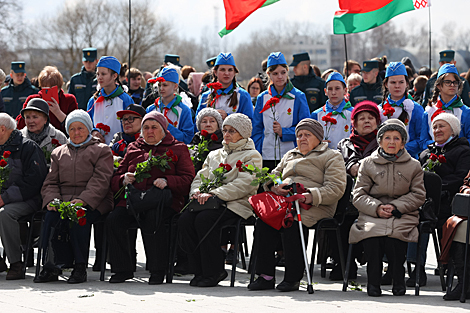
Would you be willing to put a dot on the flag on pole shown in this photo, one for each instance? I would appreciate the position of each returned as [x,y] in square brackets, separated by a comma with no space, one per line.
[236,11]
[356,16]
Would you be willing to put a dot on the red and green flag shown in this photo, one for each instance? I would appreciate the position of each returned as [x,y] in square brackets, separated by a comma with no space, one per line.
[356,16]
[236,11]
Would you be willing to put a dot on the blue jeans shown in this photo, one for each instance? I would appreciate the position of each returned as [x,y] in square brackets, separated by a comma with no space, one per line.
[411,255]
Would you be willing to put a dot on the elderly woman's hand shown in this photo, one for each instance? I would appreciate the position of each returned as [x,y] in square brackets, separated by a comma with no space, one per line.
[160,183]
[129,178]
[74,201]
[466,191]
[98,135]
[385,210]
[51,208]
[277,189]
[354,169]
[202,197]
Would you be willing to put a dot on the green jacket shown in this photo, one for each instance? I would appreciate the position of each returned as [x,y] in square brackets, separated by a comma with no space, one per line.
[314,89]
[83,86]
[372,92]
[15,96]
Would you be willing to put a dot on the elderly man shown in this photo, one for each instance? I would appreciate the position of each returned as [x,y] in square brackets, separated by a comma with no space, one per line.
[20,191]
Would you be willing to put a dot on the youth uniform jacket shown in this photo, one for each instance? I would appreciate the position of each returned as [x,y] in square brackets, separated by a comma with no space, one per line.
[288,113]
[313,87]
[462,113]
[338,131]
[105,111]
[180,125]
[14,96]
[413,126]
[82,86]
[372,92]
[428,91]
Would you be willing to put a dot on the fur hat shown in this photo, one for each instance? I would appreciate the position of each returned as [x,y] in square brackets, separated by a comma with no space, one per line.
[241,123]
[79,116]
[311,125]
[392,124]
[451,120]
[208,112]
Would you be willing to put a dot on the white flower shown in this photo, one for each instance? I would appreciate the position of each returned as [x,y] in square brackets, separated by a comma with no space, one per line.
[408,105]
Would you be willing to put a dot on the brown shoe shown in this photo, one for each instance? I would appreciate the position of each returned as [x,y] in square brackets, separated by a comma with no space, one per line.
[16,271]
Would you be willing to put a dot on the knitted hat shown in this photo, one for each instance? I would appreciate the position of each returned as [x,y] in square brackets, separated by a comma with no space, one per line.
[37,104]
[312,126]
[110,62]
[157,116]
[451,119]
[368,106]
[79,116]
[209,112]
[241,123]
[392,124]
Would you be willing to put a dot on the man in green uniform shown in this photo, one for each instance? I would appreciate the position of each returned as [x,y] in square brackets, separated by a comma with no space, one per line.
[83,84]
[371,85]
[14,95]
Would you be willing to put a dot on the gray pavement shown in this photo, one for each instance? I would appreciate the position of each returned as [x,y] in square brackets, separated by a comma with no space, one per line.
[137,296]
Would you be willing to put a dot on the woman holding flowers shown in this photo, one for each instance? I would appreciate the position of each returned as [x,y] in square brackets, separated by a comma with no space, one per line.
[176,177]
[277,112]
[200,231]
[80,173]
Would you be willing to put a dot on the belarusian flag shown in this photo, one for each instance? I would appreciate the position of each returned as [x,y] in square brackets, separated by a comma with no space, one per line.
[236,11]
[357,16]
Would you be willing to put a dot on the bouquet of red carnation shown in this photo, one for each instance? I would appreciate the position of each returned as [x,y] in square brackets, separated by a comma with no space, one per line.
[74,212]
[328,119]
[215,86]
[388,110]
[103,129]
[199,154]
[433,161]
[4,168]
[47,154]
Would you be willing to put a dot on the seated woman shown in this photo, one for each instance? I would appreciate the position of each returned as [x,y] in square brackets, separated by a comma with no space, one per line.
[322,172]
[456,150]
[200,231]
[131,120]
[58,111]
[178,178]
[388,192]
[209,120]
[38,128]
[80,172]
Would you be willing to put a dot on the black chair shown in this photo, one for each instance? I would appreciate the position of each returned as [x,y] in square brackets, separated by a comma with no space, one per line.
[460,207]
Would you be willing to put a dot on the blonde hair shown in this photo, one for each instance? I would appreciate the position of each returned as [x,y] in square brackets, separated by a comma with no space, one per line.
[50,76]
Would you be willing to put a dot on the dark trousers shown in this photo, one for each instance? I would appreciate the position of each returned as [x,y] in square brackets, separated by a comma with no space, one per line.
[208,259]
[267,239]
[155,238]
[79,235]
[374,250]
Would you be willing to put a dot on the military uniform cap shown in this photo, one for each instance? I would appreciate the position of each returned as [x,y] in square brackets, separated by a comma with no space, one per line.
[299,57]
[18,67]
[173,59]
[368,66]
[446,56]
[89,54]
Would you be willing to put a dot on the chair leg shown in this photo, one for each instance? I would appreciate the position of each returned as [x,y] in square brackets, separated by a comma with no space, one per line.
[438,255]
[39,259]
[340,247]
[104,253]
[245,241]
[235,252]
[348,265]
[28,245]
[242,250]
[465,269]
[418,262]
[314,250]
[173,247]
[254,256]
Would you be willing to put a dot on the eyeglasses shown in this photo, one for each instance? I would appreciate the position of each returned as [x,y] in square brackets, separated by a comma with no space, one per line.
[129,119]
[231,131]
[449,83]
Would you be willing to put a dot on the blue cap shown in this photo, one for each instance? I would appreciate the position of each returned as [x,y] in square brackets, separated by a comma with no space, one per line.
[18,67]
[169,74]
[225,59]
[447,68]
[335,76]
[395,69]
[89,54]
[173,59]
[110,62]
[211,62]
[276,58]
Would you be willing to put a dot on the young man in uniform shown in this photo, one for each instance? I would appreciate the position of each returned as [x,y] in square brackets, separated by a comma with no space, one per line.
[83,84]
[19,88]
[371,85]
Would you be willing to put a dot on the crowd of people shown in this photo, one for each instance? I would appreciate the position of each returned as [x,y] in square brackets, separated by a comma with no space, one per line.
[170,133]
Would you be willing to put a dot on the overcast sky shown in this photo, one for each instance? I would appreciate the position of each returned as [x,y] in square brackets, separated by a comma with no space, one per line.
[192,17]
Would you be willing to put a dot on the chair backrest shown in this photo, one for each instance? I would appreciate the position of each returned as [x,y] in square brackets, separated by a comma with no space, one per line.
[344,201]
[433,186]
[461,204]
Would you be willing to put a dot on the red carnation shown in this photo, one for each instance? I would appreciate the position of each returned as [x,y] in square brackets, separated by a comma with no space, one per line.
[174,158]
[215,86]
[333,121]
[221,165]
[433,157]
[80,213]
[442,159]
[6,154]
[204,132]
[228,168]
[55,142]
[3,163]
[239,163]
[169,153]
[214,137]
[82,221]
[160,79]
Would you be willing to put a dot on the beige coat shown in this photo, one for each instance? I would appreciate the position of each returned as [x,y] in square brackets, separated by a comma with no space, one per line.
[236,188]
[322,172]
[400,183]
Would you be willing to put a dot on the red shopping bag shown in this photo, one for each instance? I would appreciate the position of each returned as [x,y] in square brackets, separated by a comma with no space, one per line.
[272,209]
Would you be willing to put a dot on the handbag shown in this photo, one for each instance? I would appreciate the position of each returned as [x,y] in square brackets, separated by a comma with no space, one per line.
[426,212]
[213,203]
[272,209]
[59,253]
[140,201]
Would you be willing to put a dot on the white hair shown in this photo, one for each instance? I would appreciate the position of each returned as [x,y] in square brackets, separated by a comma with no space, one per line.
[2,77]
[354,77]
[7,121]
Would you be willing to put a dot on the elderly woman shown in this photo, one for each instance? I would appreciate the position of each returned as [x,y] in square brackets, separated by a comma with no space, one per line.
[80,172]
[38,129]
[58,111]
[131,120]
[456,151]
[388,192]
[322,172]
[209,123]
[200,231]
[177,179]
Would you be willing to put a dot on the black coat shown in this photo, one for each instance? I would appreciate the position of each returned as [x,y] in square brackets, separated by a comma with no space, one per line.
[371,92]
[314,89]
[351,156]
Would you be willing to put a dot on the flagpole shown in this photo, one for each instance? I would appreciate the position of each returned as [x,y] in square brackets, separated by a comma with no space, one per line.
[130,25]
[430,41]
[346,55]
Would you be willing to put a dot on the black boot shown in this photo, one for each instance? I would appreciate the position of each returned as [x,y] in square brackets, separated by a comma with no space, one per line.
[457,252]
[79,274]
